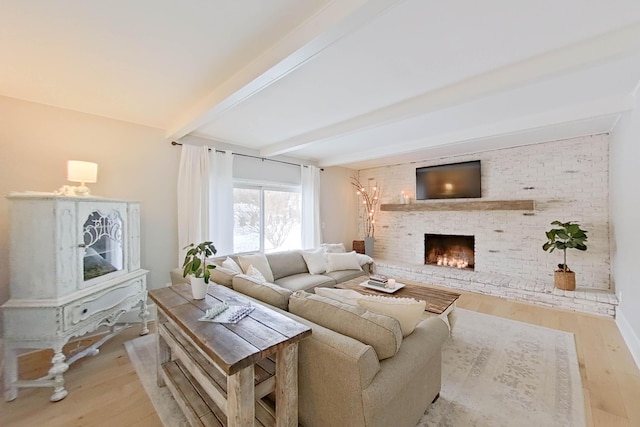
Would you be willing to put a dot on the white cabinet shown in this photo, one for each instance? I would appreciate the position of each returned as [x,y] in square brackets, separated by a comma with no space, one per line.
[74,267]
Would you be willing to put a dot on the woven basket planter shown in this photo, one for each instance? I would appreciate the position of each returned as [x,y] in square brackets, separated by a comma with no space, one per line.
[565,280]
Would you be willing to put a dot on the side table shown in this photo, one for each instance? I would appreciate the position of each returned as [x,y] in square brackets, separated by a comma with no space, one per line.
[217,372]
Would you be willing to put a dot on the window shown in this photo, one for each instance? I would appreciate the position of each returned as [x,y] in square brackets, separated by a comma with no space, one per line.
[266,219]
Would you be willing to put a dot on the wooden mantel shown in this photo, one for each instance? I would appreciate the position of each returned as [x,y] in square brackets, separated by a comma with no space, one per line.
[463,205]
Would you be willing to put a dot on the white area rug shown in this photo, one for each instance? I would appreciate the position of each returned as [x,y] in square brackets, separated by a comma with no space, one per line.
[496,372]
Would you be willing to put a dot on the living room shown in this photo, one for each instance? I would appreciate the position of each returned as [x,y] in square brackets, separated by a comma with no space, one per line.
[66,106]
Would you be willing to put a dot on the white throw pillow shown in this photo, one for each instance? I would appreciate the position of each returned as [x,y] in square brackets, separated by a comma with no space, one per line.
[231,265]
[346,296]
[347,261]
[255,273]
[259,261]
[333,248]
[316,263]
[407,311]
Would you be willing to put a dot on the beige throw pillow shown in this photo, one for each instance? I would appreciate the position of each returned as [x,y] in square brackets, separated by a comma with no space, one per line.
[346,296]
[230,264]
[381,332]
[407,311]
[346,261]
[259,261]
[255,273]
[315,260]
[333,247]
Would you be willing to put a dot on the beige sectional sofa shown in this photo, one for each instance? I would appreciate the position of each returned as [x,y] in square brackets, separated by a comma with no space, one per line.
[356,368]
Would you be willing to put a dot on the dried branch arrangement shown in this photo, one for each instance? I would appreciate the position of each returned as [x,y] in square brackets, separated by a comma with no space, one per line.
[369,195]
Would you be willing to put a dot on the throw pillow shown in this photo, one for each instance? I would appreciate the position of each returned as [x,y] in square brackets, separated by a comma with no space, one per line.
[255,273]
[381,332]
[346,296]
[316,263]
[259,261]
[333,248]
[231,265]
[347,261]
[266,292]
[407,311]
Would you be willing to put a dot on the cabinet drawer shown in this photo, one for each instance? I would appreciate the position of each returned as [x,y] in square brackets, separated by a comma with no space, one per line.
[104,303]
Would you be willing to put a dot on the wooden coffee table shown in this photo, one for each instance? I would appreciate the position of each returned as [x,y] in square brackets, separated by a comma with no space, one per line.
[440,303]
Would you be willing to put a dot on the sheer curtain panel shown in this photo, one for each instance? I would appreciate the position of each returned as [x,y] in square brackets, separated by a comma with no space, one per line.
[311,232]
[193,197]
[221,201]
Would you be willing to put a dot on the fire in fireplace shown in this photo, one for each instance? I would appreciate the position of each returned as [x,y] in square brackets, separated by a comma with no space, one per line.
[449,250]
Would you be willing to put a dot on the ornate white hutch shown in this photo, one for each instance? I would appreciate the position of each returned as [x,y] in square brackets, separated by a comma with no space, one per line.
[74,267]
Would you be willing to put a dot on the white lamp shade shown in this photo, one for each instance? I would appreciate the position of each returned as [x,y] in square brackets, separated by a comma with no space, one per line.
[78,171]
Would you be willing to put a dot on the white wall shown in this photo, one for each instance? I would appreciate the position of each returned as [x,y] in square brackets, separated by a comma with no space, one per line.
[135,163]
[338,207]
[568,180]
[625,230]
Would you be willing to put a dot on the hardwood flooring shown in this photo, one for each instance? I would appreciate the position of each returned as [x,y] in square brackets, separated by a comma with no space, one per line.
[105,391]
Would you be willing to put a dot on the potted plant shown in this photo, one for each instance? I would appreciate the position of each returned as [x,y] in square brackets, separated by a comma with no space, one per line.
[196,268]
[567,235]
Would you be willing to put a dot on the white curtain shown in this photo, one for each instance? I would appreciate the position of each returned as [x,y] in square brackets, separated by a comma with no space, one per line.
[193,197]
[311,231]
[205,199]
[221,201]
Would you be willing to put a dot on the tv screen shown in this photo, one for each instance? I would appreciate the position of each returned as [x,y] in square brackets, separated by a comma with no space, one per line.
[453,181]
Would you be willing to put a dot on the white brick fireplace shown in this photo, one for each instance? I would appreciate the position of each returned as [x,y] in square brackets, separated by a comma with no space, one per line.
[567,180]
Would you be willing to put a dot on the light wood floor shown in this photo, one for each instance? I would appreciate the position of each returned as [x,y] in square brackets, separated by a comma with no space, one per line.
[105,391]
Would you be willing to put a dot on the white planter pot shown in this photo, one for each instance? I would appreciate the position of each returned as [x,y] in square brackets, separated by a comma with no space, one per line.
[198,287]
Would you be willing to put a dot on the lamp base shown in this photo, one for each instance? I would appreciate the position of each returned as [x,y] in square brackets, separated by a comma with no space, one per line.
[82,191]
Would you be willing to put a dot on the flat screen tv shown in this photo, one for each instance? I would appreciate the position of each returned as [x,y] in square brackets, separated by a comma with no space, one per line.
[452,181]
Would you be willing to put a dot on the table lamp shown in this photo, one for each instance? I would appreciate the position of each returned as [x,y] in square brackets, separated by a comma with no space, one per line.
[82,172]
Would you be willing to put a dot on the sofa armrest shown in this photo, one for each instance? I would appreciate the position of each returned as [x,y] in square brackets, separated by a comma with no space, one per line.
[176,276]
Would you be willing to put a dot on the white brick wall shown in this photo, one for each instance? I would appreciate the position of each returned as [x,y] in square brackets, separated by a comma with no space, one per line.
[567,179]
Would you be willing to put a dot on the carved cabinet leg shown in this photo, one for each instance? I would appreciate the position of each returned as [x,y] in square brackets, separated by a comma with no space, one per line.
[57,373]
[144,316]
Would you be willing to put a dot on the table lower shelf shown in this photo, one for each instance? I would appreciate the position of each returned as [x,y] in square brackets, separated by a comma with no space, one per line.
[194,400]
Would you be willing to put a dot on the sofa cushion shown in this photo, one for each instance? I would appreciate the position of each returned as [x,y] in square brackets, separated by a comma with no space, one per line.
[222,276]
[407,311]
[286,263]
[346,261]
[305,281]
[266,292]
[344,275]
[381,332]
[259,261]
[315,260]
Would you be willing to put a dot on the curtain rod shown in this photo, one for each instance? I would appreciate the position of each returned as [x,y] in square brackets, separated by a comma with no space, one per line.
[253,157]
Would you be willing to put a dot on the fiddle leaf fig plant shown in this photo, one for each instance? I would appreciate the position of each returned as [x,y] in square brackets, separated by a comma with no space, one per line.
[567,235]
[195,260]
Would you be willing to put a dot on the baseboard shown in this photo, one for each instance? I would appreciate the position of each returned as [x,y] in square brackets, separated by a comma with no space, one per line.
[629,336]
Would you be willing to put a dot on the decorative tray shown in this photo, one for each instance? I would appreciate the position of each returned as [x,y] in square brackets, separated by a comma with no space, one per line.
[381,288]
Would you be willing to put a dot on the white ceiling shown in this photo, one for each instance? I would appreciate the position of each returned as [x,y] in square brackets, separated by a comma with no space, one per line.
[346,82]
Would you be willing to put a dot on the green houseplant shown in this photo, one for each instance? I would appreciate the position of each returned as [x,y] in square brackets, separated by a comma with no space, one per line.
[566,235]
[196,268]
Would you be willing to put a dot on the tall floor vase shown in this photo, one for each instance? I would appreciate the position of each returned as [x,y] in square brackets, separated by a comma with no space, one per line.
[368,245]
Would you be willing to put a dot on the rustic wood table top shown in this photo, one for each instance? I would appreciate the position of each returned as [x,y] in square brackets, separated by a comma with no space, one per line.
[232,346]
[437,300]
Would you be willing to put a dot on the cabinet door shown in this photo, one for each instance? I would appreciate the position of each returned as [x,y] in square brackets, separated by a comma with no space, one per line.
[103,230]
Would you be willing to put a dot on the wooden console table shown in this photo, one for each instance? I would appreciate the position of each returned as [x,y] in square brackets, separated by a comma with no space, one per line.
[219,373]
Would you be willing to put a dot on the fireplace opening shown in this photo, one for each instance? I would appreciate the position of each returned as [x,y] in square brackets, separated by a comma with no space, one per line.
[448,250]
